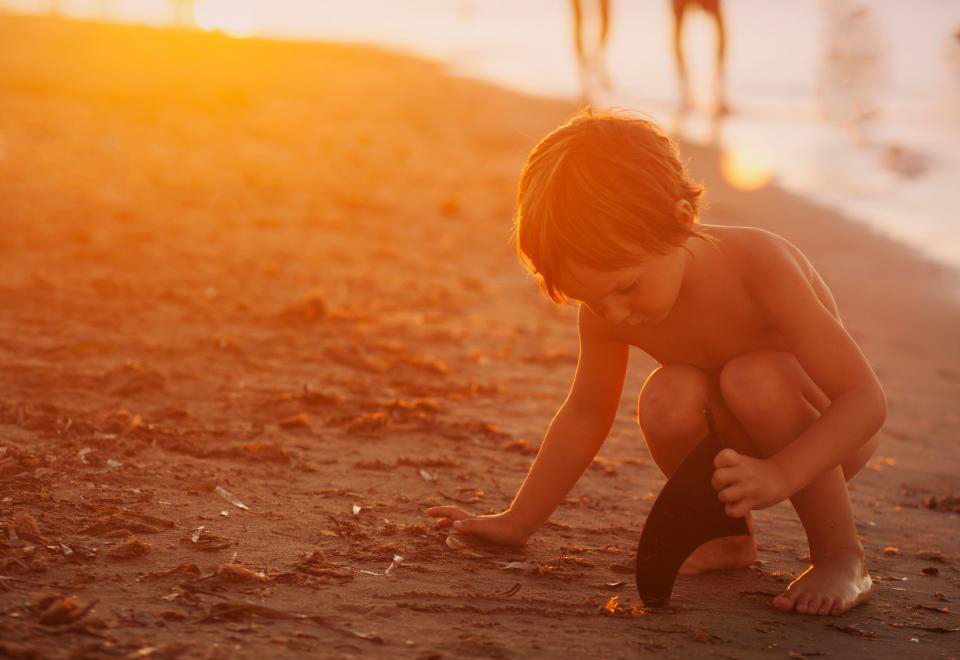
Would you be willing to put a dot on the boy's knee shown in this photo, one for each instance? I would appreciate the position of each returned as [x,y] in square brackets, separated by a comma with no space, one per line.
[760,381]
[671,402]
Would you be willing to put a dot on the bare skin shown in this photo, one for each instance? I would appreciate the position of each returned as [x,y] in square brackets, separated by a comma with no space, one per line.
[747,326]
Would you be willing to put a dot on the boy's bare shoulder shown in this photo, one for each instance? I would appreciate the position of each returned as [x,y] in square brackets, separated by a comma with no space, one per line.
[756,249]
[771,266]
[760,256]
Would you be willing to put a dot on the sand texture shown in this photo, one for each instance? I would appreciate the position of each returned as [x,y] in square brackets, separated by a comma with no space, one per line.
[260,309]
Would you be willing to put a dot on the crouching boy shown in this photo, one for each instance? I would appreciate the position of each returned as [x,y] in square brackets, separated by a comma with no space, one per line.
[738,320]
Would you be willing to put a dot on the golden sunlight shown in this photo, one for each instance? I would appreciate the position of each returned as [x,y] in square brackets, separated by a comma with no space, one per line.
[237,18]
[746,169]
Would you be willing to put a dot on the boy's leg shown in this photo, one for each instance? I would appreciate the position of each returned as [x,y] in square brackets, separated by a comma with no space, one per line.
[670,413]
[775,400]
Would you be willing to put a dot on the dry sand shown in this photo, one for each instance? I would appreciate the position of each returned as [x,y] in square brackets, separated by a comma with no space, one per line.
[284,271]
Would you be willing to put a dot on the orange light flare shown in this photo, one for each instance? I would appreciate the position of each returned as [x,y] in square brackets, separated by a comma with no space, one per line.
[237,18]
[746,168]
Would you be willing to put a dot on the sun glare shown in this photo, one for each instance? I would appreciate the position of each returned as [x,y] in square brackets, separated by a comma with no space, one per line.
[237,18]
[745,169]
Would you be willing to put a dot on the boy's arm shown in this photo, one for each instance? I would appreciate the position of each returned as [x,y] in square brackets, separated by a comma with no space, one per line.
[572,440]
[578,429]
[829,356]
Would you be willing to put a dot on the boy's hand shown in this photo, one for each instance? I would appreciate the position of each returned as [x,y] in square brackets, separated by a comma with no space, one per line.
[744,483]
[497,528]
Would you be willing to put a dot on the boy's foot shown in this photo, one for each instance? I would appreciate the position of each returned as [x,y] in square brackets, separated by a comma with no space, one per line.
[719,554]
[831,585]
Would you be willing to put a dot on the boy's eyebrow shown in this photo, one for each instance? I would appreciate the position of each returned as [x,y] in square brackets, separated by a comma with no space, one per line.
[616,285]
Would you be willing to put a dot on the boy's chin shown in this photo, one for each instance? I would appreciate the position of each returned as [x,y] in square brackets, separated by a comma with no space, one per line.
[645,320]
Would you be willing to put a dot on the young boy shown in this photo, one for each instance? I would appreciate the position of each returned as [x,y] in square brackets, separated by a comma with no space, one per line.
[738,320]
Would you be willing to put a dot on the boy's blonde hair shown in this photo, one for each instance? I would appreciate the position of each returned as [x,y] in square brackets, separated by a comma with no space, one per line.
[598,191]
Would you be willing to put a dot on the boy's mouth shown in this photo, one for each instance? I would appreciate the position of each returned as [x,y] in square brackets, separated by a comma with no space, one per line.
[646,320]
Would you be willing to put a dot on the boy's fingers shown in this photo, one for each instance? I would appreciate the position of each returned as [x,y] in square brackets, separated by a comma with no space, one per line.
[723,477]
[726,458]
[454,512]
[739,507]
[438,510]
[737,510]
[730,495]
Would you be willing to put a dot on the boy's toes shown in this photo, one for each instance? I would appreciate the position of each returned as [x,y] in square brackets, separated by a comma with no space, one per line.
[826,605]
[813,605]
[783,602]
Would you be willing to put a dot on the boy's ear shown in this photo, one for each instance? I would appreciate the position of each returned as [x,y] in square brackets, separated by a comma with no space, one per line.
[683,211]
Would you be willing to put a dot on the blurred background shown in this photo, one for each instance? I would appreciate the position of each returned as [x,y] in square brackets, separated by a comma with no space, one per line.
[856,105]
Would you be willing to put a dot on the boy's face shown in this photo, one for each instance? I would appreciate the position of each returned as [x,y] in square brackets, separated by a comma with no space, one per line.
[643,294]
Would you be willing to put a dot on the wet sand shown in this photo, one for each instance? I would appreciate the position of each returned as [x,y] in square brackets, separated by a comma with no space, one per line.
[279,275]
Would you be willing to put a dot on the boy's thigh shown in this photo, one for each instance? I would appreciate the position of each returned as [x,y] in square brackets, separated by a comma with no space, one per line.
[670,412]
[766,381]
[672,399]
[766,371]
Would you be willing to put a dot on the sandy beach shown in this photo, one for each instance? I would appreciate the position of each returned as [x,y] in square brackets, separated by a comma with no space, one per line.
[261,309]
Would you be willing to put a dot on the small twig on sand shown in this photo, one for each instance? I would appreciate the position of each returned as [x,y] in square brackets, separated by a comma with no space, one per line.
[514,589]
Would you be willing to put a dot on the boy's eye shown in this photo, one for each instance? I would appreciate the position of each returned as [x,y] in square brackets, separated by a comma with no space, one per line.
[628,287]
